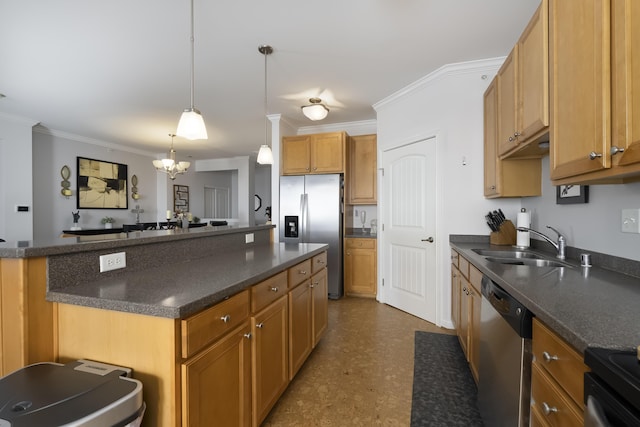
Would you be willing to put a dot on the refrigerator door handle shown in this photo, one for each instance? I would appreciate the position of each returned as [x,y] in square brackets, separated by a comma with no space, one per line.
[304,212]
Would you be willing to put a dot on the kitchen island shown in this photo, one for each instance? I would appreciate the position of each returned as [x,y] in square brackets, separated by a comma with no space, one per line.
[154,315]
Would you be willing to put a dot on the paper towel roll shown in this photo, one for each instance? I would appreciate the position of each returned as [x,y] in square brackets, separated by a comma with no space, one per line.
[523,220]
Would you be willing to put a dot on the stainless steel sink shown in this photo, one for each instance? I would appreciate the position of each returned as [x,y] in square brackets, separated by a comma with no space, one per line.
[540,262]
[508,253]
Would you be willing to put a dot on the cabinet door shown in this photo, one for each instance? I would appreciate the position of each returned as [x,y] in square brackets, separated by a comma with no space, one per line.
[475,299]
[463,328]
[296,155]
[300,326]
[270,374]
[455,297]
[328,152]
[491,162]
[507,102]
[216,384]
[579,40]
[320,292]
[625,62]
[362,172]
[360,267]
[533,72]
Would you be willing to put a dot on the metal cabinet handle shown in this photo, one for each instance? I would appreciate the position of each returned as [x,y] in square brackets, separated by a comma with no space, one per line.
[226,318]
[274,289]
[615,150]
[548,358]
[517,134]
[464,289]
[510,139]
[302,272]
[548,409]
[248,335]
[493,187]
[428,239]
[259,325]
[593,155]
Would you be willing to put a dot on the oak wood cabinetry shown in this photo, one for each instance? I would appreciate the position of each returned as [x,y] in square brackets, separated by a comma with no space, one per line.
[360,271]
[361,174]
[505,177]
[466,300]
[557,387]
[523,91]
[595,63]
[316,153]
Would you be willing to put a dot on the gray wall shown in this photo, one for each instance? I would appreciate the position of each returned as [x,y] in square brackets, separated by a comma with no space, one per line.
[594,226]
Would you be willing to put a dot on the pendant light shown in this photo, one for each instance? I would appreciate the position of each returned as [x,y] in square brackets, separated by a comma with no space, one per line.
[316,110]
[170,166]
[265,155]
[191,125]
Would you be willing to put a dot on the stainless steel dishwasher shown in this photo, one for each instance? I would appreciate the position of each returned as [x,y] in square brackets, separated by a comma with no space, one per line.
[504,388]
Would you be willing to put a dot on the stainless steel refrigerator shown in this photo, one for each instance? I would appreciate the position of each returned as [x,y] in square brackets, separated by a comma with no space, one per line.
[311,212]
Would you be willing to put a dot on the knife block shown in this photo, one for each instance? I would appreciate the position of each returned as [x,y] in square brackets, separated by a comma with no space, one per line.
[506,234]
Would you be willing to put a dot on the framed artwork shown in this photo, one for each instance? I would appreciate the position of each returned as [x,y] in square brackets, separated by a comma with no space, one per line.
[569,194]
[181,198]
[101,184]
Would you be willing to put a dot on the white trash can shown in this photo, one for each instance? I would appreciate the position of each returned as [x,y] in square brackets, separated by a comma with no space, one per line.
[80,393]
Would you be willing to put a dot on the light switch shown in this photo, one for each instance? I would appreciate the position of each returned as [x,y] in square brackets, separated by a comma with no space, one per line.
[631,221]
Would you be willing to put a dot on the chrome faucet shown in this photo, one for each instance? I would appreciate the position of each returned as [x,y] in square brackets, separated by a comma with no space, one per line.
[560,245]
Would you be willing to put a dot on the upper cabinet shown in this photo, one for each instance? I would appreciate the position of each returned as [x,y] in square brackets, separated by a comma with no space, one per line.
[314,154]
[508,177]
[523,91]
[595,90]
[361,175]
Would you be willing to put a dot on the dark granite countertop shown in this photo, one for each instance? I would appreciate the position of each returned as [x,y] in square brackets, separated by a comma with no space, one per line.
[179,289]
[67,245]
[598,308]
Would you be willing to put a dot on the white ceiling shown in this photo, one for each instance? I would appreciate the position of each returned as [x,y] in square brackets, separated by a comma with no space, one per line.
[117,71]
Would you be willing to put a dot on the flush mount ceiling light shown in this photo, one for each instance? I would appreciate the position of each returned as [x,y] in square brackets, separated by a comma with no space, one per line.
[191,125]
[170,166]
[316,110]
[265,156]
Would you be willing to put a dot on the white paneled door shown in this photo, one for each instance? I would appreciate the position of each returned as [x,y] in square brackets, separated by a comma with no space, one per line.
[409,217]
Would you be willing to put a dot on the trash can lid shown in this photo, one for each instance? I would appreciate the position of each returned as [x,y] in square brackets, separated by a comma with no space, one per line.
[81,392]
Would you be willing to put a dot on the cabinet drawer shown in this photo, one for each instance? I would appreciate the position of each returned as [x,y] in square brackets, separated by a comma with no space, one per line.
[454,258]
[318,262]
[463,266]
[299,273]
[562,362]
[550,403]
[361,244]
[267,291]
[210,324]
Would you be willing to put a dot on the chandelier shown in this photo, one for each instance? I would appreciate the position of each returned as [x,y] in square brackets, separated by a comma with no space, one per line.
[170,166]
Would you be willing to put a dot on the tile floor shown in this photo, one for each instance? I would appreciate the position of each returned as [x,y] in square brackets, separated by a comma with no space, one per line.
[361,372]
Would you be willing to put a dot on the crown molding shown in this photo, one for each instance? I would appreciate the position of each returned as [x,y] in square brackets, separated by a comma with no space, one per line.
[362,127]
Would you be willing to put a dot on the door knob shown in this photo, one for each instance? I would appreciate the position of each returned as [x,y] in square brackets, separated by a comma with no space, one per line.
[428,239]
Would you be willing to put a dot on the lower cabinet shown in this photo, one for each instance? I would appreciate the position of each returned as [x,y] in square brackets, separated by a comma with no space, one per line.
[270,367]
[216,383]
[466,282]
[360,260]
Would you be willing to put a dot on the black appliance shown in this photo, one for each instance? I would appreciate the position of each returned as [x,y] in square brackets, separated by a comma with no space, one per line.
[612,388]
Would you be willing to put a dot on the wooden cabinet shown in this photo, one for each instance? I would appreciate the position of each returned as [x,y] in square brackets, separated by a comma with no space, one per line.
[595,58]
[465,308]
[270,361]
[320,292]
[523,91]
[216,383]
[361,174]
[360,267]
[311,154]
[557,387]
[508,177]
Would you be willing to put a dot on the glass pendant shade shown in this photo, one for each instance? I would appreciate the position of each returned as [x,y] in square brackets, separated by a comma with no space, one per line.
[316,110]
[191,125]
[265,156]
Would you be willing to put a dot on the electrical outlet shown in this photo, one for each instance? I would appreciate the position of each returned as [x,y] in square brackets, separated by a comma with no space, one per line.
[248,238]
[113,261]
[630,221]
